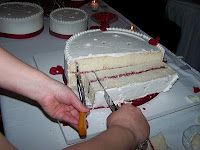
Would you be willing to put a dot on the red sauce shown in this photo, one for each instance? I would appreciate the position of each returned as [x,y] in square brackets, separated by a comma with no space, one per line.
[142,100]
[138,101]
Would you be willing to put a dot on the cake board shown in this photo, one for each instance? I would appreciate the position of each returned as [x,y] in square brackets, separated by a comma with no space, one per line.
[165,103]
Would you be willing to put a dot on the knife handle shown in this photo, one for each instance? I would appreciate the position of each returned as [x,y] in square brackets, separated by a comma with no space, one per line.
[82,125]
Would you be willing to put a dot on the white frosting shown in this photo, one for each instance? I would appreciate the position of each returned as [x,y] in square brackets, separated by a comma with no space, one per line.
[20,17]
[112,42]
[68,21]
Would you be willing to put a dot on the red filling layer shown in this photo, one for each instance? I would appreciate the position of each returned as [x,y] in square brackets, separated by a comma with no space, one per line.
[127,74]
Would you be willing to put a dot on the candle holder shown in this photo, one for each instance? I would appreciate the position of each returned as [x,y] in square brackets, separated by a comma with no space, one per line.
[94,4]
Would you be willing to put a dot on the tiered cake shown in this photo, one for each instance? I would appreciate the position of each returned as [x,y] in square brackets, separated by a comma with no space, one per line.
[20,19]
[67,21]
[125,63]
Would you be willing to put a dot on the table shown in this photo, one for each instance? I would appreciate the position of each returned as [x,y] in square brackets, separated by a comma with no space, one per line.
[29,129]
[186,14]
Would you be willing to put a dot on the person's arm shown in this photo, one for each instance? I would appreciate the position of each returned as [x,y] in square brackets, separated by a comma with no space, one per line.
[5,144]
[56,99]
[126,129]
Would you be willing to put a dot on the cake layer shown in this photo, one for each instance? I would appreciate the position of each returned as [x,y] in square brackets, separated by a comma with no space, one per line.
[68,21]
[102,62]
[20,18]
[128,83]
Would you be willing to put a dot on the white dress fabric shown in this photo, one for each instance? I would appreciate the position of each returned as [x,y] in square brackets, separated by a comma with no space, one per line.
[186,14]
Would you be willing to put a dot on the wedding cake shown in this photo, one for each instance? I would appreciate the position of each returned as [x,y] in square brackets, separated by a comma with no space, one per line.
[67,21]
[123,61]
[20,19]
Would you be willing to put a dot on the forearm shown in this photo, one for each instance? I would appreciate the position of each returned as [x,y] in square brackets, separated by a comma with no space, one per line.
[18,77]
[5,144]
[116,138]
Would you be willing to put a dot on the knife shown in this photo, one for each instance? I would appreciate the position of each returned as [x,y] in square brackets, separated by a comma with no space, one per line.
[107,97]
[82,115]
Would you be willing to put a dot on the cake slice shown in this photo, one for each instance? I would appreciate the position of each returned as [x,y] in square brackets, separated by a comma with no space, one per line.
[20,19]
[128,83]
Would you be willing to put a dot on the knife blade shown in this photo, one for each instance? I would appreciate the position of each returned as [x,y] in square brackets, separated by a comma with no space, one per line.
[107,97]
[82,115]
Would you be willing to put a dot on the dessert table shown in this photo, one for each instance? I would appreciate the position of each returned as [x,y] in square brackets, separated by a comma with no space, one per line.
[28,128]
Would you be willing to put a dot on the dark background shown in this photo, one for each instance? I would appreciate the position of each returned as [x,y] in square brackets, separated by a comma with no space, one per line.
[150,17]
[147,15]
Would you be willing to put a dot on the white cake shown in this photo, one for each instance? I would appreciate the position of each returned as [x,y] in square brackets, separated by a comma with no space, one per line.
[126,64]
[68,21]
[20,18]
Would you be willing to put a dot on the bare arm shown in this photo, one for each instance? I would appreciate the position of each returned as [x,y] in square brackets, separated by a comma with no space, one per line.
[115,138]
[55,98]
[5,144]
[127,128]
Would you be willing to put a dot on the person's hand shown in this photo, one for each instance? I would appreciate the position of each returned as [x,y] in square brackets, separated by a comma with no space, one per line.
[57,100]
[131,118]
[61,103]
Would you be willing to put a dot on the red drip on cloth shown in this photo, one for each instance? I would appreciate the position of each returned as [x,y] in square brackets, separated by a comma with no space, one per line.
[145,99]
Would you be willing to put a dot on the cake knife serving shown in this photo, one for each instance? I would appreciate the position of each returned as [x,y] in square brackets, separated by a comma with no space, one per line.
[107,97]
[82,115]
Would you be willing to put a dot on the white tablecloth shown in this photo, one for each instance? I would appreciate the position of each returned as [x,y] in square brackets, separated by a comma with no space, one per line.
[186,14]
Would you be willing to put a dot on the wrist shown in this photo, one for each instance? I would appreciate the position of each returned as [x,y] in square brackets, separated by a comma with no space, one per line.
[130,136]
